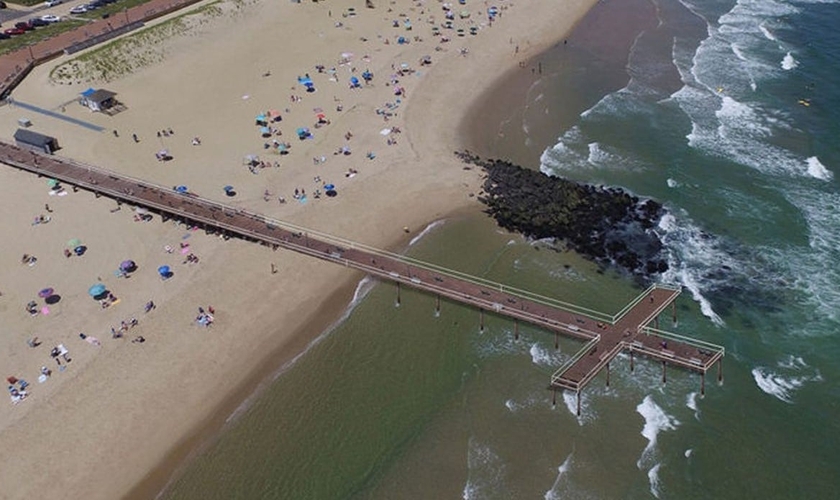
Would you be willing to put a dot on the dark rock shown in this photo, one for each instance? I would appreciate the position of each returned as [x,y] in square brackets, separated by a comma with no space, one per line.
[604,224]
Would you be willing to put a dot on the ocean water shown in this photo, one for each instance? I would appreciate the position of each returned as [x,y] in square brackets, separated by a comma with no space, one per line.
[726,112]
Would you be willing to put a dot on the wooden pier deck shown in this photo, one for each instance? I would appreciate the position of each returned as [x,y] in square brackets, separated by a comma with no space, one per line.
[605,335]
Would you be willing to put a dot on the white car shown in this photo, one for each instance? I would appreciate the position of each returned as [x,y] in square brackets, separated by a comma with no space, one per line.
[50,18]
[79,9]
[52,3]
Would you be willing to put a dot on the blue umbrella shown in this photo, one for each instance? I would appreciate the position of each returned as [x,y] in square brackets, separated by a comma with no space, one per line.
[261,118]
[164,270]
[181,189]
[354,81]
[228,188]
[97,290]
[265,131]
[329,187]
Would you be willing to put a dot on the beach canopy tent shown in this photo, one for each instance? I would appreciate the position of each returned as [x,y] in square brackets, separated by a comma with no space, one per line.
[35,141]
[98,99]
[128,266]
[165,272]
[97,290]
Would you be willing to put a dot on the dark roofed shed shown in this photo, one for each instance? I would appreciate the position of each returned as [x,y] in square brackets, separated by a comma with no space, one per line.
[35,141]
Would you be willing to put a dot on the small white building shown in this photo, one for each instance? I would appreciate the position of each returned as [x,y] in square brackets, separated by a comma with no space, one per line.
[98,99]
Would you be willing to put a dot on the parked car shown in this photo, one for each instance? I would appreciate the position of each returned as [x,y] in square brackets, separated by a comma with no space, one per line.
[37,21]
[91,6]
[53,3]
[79,9]
[24,26]
[50,18]
[4,36]
[2,5]
[14,31]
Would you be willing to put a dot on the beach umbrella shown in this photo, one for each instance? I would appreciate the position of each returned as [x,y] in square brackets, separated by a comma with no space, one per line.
[229,190]
[260,118]
[181,189]
[97,290]
[164,270]
[265,131]
[281,147]
[75,242]
[329,187]
[128,265]
[52,183]
[46,292]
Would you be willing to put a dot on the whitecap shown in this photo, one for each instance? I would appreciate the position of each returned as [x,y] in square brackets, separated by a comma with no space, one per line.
[656,421]
[426,231]
[818,170]
[789,62]
[672,183]
[554,493]
[688,453]
[542,356]
[485,472]
[775,384]
[586,412]
[784,380]
[653,479]
[691,403]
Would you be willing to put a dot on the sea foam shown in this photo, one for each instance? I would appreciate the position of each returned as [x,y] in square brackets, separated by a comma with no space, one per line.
[555,493]
[656,421]
[818,170]
[789,63]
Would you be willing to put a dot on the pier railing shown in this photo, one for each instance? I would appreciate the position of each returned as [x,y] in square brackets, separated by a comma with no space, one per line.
[627,329]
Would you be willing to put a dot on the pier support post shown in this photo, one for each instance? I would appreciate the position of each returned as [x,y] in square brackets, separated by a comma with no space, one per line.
[556,340]
[663,373]
[553,397]
[437,305]
[515,329]
[720,371]
[608,374]
[631,361]
[397,303]
[578,402]
[703,383]
[656,322]
[481,320]
[674,311]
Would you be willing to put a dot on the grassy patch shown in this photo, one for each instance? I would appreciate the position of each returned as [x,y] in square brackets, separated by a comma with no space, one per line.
[123,56]
[38,34]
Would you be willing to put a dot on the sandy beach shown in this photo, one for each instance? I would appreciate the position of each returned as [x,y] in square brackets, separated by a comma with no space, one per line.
[117,417]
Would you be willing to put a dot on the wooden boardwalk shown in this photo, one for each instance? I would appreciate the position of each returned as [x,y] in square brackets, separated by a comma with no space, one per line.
[605,336]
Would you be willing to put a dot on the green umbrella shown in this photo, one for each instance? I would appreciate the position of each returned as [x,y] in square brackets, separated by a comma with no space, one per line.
[52,183]
[75,242]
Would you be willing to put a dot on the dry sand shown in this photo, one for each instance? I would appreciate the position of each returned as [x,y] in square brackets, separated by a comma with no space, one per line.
[96,429]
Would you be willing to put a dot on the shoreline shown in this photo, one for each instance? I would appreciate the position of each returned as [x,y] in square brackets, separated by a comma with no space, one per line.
[204,417]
